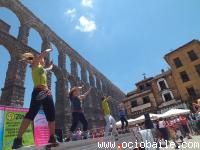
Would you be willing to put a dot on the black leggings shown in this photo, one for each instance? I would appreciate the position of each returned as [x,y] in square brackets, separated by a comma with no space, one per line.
[76,117]
[41,98]
[124,120]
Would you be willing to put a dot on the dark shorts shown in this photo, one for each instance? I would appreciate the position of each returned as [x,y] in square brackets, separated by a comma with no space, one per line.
[40,98]
[76,117]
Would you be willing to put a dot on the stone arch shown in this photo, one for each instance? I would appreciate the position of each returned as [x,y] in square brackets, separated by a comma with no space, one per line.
[91,79]
[56,43]
[28,84]
[79,70]
[12,8]
[29,21]
[14,83]
[54,54]
[69,86]
[61,102]
[11,19]
[95,80]
[3,68]
[68,63]
[101,84]
[58,80]
[58,73]
[35,40]
[36,25]
[87,76]
[8,46]
[53,86]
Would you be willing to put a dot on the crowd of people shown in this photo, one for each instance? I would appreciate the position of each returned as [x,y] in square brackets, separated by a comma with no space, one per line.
[174,128]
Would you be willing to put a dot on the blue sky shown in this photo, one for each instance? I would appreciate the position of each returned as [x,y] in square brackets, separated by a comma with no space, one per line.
[121,38]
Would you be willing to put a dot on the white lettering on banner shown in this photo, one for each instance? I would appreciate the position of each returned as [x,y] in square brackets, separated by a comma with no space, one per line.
[147,145]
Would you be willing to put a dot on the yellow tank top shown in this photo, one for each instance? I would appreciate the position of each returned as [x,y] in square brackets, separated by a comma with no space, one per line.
[39,76]
[106,109]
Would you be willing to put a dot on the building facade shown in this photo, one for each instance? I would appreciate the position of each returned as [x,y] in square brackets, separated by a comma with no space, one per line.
[185,66]
[154,95]
[166,94]
[140,100]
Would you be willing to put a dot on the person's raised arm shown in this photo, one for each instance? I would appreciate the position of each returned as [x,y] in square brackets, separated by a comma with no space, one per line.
[41,56]
[50,66]
[85,94]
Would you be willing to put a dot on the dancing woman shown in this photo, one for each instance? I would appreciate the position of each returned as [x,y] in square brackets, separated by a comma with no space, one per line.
[41,96]
[122,115]
[77,111]
[108,117]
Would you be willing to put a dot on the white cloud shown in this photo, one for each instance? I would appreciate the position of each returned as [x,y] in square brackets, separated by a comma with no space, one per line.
[85,25]
[87,3]
[71,13]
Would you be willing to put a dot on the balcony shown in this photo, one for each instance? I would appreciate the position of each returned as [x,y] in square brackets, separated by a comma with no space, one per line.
[141,107]
[164,104]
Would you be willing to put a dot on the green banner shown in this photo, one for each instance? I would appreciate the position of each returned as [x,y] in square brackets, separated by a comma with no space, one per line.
[12,121]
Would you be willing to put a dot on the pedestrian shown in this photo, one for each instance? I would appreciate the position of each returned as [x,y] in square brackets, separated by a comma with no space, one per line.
[163,129]
[194,123]
[184,123]
[41,96]
[172,131]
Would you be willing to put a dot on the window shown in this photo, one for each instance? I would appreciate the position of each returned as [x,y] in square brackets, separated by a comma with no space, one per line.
[162,85]
[146,99]
[148,85]
[184,76]
[178,62]
[134,103]
[198,69]
[167,97]
[191,92]
[141,87]
[192,55]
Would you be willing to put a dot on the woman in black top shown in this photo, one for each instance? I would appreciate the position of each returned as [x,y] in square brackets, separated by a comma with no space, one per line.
[77,111]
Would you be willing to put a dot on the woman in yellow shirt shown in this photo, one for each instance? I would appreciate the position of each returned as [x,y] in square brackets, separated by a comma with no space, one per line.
[41,96]
[108,117]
